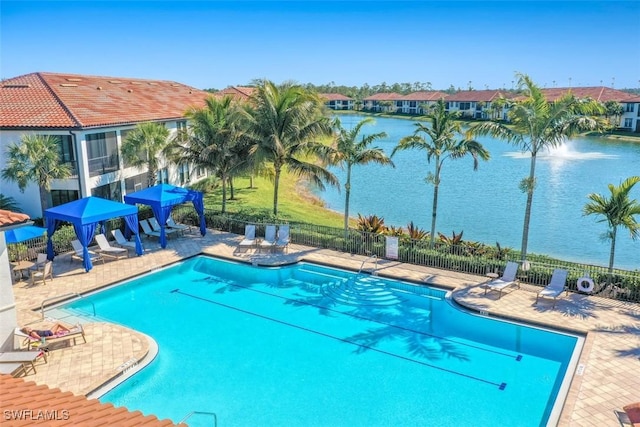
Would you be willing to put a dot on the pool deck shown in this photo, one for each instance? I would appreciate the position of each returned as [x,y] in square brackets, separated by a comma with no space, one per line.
[608,375]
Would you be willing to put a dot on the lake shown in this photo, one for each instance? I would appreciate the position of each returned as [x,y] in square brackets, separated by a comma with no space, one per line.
[487,204]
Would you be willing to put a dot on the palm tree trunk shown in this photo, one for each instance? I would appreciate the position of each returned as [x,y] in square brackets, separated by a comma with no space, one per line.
[232,189]
[434,211]
[251,181]
[44,199]
[224,194]
[276,185]
[614,232]
[347,192]
[527,211]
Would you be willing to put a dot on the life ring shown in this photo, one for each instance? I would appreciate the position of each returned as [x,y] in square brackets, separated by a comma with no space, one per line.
[585,284]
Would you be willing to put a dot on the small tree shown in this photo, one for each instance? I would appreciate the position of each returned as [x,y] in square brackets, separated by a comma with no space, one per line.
[142,146]
[36,158]
[618,211]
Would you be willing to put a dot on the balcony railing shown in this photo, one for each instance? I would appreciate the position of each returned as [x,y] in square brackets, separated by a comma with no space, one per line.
[102,165]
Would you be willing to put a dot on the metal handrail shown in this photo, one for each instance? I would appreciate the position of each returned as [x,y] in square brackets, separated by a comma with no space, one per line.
[64,296]
[215,417]
[374,256]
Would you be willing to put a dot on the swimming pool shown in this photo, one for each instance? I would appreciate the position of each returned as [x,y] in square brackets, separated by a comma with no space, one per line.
[308,345]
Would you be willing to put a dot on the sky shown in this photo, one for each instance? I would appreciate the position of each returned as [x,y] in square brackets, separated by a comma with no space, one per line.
[215,44]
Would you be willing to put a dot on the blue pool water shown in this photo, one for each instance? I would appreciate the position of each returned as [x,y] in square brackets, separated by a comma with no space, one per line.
[307,345]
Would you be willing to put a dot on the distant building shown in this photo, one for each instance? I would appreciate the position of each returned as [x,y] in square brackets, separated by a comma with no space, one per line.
[337,101]
[90,116]
[241,93]
[478,104]
[419,102]
[383,102]
[630,119]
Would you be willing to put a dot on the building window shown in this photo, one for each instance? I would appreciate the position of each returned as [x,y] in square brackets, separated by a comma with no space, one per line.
[163,176]
[102,151]
[108,191]
[465,106]
[628,123]
[60,197]
[200,172]
[135,183]
[183,173]
[630,107]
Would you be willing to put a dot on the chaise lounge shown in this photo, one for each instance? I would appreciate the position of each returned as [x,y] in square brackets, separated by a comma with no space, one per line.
[507,279]
[556,286]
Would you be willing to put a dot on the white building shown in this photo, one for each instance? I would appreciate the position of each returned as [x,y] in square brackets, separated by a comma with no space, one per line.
[91,116]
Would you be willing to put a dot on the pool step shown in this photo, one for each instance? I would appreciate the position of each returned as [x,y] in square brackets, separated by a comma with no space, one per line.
[361,291]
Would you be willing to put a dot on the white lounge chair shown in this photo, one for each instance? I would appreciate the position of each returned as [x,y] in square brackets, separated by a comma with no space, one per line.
[155,225]
[146,229]
[283,238]
[77,249]
[180,227]
[556,286]
[107,250]
[507,279]
[23,357]
[269,240]
[249,236]
[121,241]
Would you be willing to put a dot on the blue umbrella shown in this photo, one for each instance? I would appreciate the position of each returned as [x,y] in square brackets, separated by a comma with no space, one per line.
[21,234]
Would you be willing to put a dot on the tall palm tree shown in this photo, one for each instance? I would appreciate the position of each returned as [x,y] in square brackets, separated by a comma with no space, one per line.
[351,149]
[618,211]
[142,146]
[215,140]
[287,129]
[537,125]
[35,158]
[439,141]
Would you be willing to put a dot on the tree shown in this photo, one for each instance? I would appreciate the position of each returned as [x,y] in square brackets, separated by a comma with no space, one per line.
[618,211]
[9,204]
[350,151]
[215,140]
[36,158]
[287,128]
[142,146]
[440,144]
[537,125]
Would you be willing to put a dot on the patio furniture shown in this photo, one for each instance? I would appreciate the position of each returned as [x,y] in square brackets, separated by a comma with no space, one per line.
[147,231]
[27,358]
[507,279]
[107,250]
[46,272]
[249,237]
[121,241]
[78,252]
[283,238]
[269,240]
[556,286]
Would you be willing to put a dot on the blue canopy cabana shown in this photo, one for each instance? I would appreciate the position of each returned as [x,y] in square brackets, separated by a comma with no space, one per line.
[85,214]
[162,198]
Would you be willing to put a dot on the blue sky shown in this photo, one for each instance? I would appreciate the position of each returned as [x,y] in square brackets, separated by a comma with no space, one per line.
[215,44]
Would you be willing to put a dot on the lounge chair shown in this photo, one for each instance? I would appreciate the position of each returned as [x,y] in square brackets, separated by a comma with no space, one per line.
[13,369]
[283,238]
[269,240]
[146,229]
[249,237]
[46,272]
[155,226]
[121,241]
[507,279]
[175,226]
[40,261]
[27,341]
[556,286]
[77,248]
[107,250]
[26,358]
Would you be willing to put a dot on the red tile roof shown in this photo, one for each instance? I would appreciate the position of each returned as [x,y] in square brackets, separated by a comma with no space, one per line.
[11,218]
[334,97]
[634,98]
[598,93]
[24,403]
[424,96]
[56,100]
[237,92]
[478,95]
[385,96]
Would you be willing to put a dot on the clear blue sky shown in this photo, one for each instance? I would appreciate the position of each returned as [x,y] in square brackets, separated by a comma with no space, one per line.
[215,44]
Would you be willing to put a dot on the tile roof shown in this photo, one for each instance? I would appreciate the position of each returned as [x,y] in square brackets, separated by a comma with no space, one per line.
[334,97]
[634,98]
[478,95]
[384,96]
[8,218]
[424,96]
[24,403]
[598,93]
[237,92]
[57,100]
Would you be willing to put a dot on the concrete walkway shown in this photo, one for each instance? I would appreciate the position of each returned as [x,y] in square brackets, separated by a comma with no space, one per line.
[609,368]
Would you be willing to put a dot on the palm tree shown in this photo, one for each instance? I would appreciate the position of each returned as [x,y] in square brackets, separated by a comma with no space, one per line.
[142,146]
[287,128]
[9,204]
[35,158]
[440,144]
[618,211]
[215,140]
[349,152]
[537,125]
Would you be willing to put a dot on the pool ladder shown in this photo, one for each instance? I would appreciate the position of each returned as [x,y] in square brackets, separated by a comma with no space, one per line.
[375,269]
[212,414]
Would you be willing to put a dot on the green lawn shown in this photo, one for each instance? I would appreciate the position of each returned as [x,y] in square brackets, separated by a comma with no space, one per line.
[295,202]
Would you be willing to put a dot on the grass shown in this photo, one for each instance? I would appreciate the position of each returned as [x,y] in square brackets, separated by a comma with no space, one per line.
[295,201]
